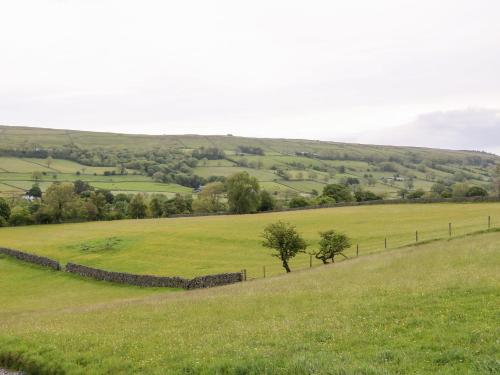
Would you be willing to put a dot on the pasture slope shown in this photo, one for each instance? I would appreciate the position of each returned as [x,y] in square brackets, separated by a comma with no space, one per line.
[195,246]
[431,308]
[309,164]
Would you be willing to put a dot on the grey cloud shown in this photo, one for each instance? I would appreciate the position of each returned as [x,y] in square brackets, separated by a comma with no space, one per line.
[470,129]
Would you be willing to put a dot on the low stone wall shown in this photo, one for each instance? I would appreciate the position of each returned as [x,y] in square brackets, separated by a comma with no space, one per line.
[26,257]
[127,278]
[214,280]
[155,281]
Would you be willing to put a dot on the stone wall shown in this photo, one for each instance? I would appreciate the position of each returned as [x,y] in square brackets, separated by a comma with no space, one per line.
[214,280]
[127,278]
[155,281]
[26,257]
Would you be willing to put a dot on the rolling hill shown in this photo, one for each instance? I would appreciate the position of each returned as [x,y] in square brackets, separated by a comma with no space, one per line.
[285,167]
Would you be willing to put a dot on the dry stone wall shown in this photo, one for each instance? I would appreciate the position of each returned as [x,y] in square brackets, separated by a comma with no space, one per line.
[31,258]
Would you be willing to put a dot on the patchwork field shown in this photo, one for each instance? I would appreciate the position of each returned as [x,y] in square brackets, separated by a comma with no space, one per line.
[205,245]
[16,177]
[423,309]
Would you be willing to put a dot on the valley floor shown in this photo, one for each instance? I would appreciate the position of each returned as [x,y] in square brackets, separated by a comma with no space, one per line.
[431,308]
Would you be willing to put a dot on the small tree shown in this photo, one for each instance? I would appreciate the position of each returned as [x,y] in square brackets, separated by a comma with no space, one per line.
[4,209]
[49,161]
[331,244]
[284,238]
[137,207]
[242,193]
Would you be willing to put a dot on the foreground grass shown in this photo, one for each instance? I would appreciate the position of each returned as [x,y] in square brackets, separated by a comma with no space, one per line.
[194,246]
[424,309]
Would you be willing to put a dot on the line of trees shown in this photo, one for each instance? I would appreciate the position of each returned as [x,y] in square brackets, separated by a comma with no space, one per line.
[286,242]
[78,201]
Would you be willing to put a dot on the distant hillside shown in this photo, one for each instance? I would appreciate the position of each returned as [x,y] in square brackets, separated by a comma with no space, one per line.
[283,166]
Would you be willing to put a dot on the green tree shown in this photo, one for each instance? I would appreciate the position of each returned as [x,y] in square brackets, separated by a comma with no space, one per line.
[242,193]
[298,201]
[35,191]
[137,207]
[210,198]
[81,186]
[58,197]
[4,209]
[285,240]
[156,204]
[20,216]
[476,191]
[338,192]
[267,201]
[332,244]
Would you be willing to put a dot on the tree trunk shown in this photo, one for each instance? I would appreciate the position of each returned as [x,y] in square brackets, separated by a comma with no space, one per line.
[324,261]
[285,265]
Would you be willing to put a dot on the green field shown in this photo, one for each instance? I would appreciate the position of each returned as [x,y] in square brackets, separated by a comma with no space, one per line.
[16,177]
[204,245]
[326,159]
[422,309]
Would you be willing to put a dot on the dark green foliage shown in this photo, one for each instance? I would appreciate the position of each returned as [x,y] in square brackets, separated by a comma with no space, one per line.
[35,191]
[210,153]
[267,201]
[298,201]
[366,195]
[4,209]
[331,244]
[178,205]
[242,193]
[476,191]
[137,207]
[285,240]
[338,192]
[250,150]
[419,193]
[20,216]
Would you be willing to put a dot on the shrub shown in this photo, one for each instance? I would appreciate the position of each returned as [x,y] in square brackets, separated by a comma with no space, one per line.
[4,209]
[20,216]
[298,201]
[476,191]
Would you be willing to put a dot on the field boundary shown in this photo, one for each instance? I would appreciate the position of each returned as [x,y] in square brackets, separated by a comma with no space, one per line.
[31,258]
[199,282]
[354,204]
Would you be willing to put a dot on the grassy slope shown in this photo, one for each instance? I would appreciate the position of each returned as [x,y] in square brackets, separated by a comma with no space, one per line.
[279,152]
[16,177]
[424,309]
[204,245]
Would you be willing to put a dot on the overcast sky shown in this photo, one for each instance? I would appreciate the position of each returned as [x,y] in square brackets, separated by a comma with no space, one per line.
[423,72]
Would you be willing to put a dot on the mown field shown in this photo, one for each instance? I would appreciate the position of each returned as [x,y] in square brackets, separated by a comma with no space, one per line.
[205,245]
[427,309]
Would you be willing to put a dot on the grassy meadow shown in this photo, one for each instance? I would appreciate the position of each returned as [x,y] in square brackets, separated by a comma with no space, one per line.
[204,245]
[430,309]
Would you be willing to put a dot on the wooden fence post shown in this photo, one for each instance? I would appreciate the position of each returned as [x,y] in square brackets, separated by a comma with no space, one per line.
[489,222]
[264,270]
[449,229]
[357,249]
[385,243]
[310,260]
[416,236]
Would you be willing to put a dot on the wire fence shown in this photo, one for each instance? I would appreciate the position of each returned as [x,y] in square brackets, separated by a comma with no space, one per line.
[364,245]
